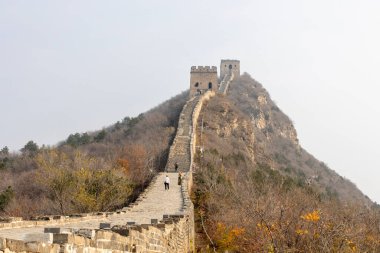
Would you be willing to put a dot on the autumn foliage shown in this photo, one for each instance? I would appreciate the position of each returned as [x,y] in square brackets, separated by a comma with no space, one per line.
[245,214]
[257,190]
[91,171]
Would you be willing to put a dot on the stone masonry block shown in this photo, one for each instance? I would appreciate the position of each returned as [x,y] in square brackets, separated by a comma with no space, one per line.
[106,235]
[58,230]
[145,226]
[79,240]
[85,232]
[62,238]
[3,243]
[104,225]
[15,245]
[121,231]
[38,237]
[34,247]
[52,230]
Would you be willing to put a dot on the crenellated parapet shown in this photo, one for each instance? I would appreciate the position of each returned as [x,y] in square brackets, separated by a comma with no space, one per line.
[203,69]
[169,235]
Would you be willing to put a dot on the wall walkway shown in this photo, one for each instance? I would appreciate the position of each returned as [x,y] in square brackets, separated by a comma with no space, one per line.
[225,83]
[159,221]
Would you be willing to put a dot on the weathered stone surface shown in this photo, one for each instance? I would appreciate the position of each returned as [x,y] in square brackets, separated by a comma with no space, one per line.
[38,237]
[3,243]
[104,225]
[15,245]
[87,233]
[52,230]
[62,238]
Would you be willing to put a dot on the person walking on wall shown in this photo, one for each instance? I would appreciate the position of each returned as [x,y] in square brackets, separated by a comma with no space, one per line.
[167,182]
[176,167]
[179,178]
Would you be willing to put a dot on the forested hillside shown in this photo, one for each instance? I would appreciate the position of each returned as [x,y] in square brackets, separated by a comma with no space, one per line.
[258,190]
[90,171]
[255,188]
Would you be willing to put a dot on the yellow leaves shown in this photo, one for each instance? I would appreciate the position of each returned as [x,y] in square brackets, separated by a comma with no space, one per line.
[227,237]
[271,248]
[302,231]
[87,202]
[262,227]
[312,217]
[267,228]
[81,183]
[351,244]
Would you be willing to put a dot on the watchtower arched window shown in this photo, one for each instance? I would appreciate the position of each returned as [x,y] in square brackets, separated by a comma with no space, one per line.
[210,85]
[230,67]
[196,84]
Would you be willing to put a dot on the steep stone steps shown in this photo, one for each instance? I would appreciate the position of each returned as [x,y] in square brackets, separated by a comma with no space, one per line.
[224,84]
[180,150]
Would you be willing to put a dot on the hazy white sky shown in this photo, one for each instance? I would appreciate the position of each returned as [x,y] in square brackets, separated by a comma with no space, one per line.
[73,66]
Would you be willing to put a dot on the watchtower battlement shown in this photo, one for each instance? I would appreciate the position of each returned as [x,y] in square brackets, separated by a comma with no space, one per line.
[229,67]
[202,79]
[199,69]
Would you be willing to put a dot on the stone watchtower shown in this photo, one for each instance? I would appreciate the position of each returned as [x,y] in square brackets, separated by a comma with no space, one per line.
[202,79]
[229,67]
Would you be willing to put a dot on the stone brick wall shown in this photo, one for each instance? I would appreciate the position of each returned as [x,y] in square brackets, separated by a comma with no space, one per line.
[172,235]
[201,78]
[195,116]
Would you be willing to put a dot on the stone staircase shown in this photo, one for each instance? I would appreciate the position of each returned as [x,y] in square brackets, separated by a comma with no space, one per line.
[224,84]
[159,220]
[180,150]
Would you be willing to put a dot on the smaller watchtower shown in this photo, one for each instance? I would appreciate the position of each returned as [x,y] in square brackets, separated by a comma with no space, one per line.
[228,67]
[202,79]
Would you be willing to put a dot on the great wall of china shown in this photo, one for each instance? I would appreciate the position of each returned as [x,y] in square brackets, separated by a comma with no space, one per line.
[159,221]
